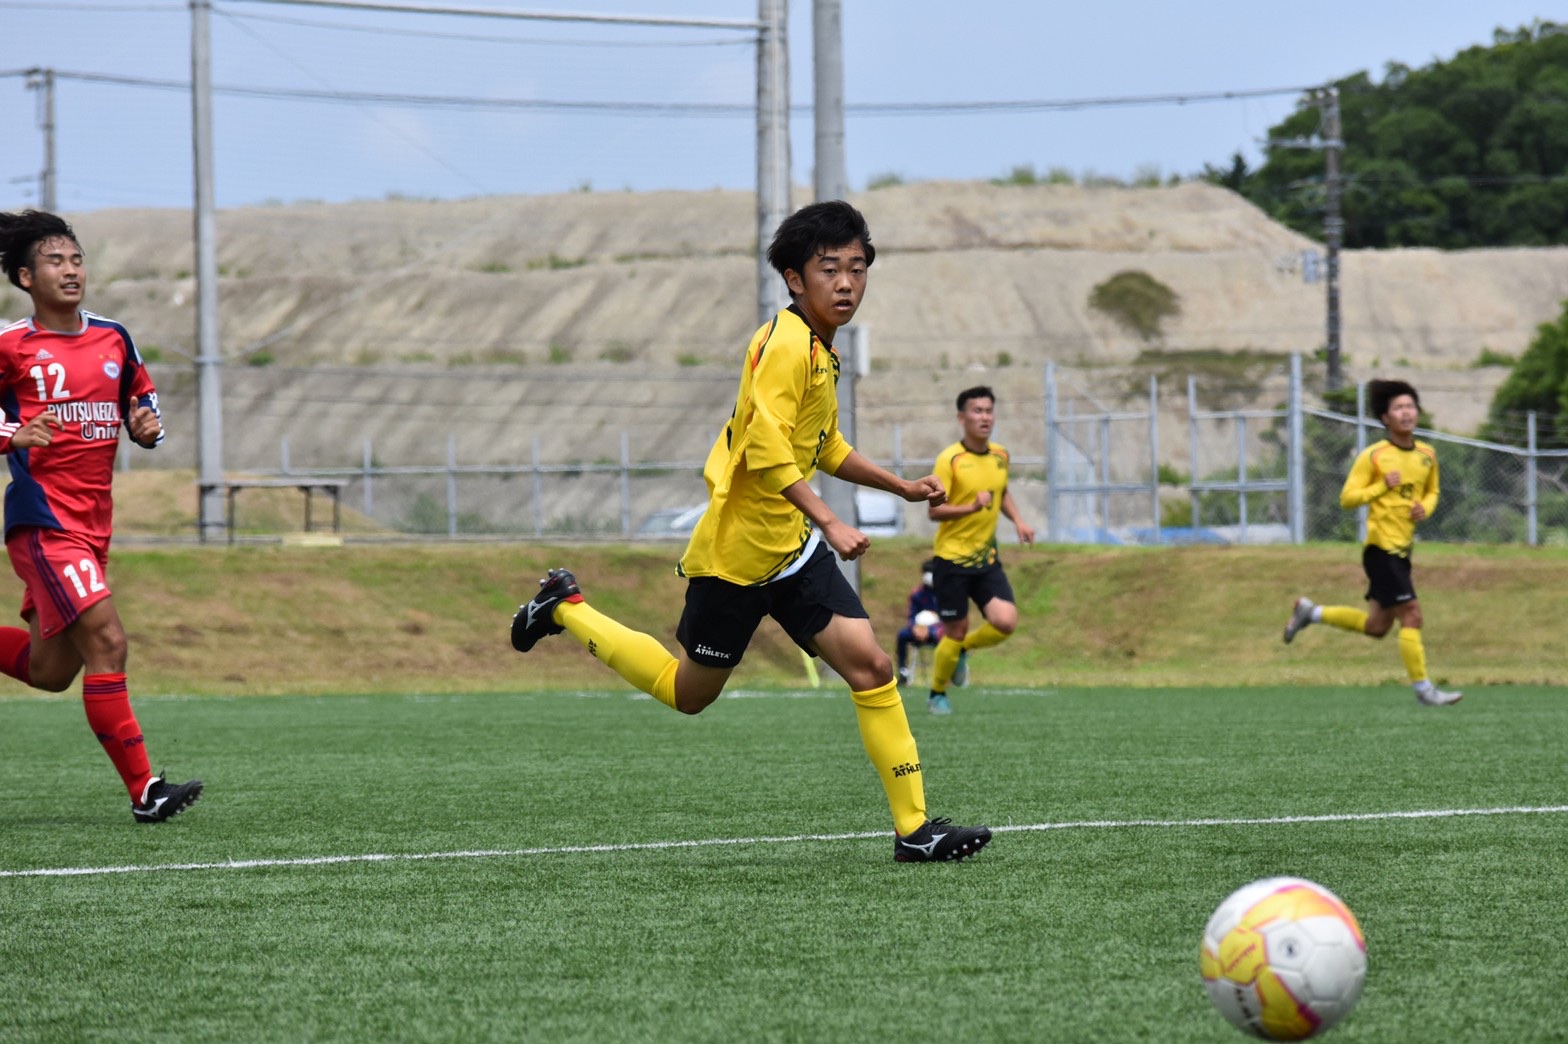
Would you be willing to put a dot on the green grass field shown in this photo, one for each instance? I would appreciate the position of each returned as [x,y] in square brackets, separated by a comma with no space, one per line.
[592,866]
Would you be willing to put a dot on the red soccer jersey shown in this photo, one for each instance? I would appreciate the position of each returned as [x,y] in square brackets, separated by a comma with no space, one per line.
[91,379]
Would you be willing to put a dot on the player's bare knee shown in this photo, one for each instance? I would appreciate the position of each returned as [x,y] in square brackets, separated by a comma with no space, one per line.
[52,679]
[869,672]
[108,654]
[101,643]
[695,702]
[1376,630]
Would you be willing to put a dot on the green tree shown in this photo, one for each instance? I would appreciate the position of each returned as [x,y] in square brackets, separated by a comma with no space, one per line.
[1233,177]
[1468,152]
[1539,382]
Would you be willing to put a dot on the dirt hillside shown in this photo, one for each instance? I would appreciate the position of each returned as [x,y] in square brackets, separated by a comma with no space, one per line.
[489,323]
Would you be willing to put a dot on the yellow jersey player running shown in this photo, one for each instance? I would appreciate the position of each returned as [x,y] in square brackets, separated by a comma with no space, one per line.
[966,566]
[1397,478]
[765,544]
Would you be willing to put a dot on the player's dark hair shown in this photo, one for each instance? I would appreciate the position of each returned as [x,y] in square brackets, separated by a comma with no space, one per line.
[979,391]
[815,228]
[1381,393]
[20,233]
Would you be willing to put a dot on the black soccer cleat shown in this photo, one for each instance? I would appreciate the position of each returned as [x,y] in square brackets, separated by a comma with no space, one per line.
[162,800]
[939,841]
[536,619]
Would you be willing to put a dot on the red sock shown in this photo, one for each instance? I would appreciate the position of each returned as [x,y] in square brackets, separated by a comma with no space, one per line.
[109,715]
[16,648]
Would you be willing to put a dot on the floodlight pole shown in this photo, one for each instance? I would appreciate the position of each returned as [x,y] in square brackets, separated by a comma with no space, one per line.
[209,375]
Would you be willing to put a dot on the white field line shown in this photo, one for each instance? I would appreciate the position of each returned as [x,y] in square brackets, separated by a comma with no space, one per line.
[719,842]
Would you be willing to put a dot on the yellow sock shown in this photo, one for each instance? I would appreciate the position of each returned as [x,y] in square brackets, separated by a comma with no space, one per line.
[983,637]
[637,657]
[891,747]
[1413,653]
[944,662]
[1345,618]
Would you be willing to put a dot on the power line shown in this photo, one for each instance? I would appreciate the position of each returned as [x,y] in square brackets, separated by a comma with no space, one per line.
[531,16]
[419,100]
[722,109]
[425,34]
[54,6]
[1472,180]
[397,131]
[1064,104]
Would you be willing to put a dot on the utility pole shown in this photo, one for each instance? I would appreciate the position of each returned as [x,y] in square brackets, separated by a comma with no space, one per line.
[773,160]
[1332,143]
[1333,230]
[831,172]
[209,374]
[831,181]
[42,81]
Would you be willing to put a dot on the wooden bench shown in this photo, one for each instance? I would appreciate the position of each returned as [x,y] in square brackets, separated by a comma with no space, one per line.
[231,489]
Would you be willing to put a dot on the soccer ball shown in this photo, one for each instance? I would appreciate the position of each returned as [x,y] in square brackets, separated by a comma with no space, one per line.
[1283,959]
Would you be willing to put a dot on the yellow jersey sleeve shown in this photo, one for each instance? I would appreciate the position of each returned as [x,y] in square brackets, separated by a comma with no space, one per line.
[1364,483]
[1430,493]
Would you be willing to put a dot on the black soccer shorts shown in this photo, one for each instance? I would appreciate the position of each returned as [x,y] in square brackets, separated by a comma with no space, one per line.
[956,586]
[1388,577]
[720,617]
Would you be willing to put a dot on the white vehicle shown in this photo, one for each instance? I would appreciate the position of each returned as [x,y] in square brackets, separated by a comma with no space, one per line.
[879,514]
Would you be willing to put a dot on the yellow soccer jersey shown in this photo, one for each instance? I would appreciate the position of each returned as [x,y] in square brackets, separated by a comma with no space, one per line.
[783,428]
[1389,525]
[970,540]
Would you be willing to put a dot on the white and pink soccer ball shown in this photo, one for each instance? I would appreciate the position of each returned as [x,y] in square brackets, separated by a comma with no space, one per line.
[1283,959]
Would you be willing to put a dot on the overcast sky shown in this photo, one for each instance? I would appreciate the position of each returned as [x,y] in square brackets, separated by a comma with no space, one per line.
[120,145]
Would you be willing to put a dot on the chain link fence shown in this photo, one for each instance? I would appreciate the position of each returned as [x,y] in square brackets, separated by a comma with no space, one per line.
[1490,493]
[1265,475]
[1097,458]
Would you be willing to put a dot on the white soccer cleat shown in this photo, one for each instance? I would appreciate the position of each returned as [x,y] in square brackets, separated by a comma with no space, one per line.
[1432,696]
[1300,616]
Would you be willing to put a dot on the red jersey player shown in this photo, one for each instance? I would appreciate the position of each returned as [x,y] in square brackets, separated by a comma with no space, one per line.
[68,380]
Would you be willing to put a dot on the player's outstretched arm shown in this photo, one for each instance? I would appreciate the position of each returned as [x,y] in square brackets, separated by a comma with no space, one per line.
[862,472]
[849,542]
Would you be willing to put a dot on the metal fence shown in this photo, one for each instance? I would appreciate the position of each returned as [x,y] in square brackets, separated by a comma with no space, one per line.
[625,498]
[1243,474]
[1490,493]
[1266,475]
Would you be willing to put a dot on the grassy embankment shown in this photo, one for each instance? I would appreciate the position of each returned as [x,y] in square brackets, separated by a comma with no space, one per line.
[271,619]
